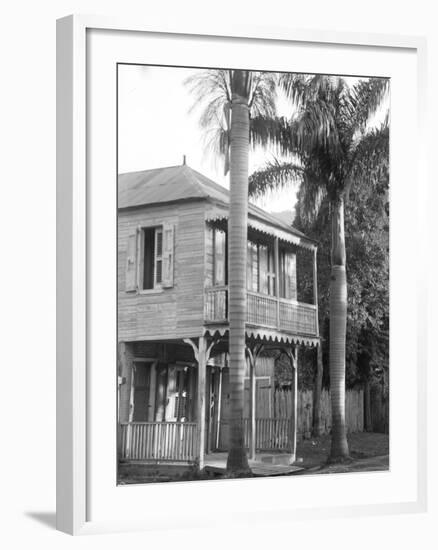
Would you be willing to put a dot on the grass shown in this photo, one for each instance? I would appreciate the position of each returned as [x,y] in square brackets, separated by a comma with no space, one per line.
[364,447]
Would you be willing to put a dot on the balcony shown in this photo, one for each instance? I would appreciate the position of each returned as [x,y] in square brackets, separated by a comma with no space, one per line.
[264,311]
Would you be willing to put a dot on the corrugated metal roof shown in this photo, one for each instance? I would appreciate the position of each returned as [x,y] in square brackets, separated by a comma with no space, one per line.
[175,183]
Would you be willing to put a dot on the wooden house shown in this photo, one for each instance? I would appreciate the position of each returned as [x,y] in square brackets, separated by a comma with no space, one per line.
[172,318]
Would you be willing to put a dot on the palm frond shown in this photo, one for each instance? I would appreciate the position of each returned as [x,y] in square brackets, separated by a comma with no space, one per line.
[370,160]
[275,175]
[367,97]
[273,132]
[213,90]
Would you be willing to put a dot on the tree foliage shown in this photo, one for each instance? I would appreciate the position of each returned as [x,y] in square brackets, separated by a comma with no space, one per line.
[367,247]
[212,91]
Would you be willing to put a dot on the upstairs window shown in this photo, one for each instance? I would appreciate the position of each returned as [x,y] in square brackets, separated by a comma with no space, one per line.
[152,257]
[266,270]
[219,257]
[288,275]
[252,267]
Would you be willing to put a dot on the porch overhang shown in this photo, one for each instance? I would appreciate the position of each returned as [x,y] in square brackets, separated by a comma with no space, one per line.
[218,213]
[272,337]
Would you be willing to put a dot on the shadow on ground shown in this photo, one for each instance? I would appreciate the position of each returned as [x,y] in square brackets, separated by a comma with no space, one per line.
[45,518]
[362,445]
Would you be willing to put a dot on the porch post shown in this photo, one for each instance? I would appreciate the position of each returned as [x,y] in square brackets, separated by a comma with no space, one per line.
[219,406]
[202,371]
[252,405]
[294,419]
[315,290]
[202,354]
[252,356]
[292,354]
[126,399]
[131,412]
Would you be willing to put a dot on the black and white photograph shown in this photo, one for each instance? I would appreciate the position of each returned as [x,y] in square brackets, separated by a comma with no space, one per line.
[252,274]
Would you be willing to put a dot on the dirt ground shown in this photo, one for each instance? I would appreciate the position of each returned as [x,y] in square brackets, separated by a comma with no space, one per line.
[369,451]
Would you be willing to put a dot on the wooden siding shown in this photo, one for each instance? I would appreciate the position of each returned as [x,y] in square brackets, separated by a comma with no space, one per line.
[175,312]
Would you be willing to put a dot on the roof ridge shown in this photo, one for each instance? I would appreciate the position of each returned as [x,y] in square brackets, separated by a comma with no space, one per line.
[193,181]
[158,168]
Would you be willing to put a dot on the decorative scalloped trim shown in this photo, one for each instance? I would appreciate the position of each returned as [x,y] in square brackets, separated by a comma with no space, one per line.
[266,335]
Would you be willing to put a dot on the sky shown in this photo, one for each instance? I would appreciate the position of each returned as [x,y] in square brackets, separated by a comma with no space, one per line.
[156,128]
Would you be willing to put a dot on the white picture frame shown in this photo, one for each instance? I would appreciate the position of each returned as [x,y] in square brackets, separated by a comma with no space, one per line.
[74,397]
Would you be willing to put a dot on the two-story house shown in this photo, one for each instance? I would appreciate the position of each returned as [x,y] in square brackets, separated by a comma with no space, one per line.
[173,317]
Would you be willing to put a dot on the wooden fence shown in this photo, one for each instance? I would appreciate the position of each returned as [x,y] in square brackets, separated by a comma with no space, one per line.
[379,410]
[271,433]
[354,411]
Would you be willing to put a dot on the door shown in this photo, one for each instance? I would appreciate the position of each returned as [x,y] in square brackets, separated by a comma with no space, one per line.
[179,400]
[141,392]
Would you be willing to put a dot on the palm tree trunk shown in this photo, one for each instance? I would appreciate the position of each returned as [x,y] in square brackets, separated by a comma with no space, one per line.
[237,462]
[338,327]
[317,388]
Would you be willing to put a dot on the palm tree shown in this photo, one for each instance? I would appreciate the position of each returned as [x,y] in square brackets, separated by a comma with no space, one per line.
[332,146]
[229,98]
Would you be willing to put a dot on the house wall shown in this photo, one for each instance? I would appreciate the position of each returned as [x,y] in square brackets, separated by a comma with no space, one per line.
[175,312]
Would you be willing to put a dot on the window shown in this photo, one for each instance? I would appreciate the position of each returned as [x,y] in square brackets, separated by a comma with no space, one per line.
[152,257]
[266,269]
[288,275]
[219,257]
[260,268]
[252,267]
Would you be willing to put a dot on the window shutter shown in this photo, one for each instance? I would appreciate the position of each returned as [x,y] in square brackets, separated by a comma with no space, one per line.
[131,264]
[168,255]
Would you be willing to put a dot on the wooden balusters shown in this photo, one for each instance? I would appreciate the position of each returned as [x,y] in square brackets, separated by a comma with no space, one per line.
[171,441]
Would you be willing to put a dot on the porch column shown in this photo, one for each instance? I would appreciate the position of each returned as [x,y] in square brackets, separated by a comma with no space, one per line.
[292,354]
[126,404]
[202,371]
[294,416]
[219,407]
[202,354]
[252,356]
[315,290]
[252,406]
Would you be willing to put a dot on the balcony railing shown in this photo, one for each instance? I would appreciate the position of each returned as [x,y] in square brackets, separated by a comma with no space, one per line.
[265,311]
